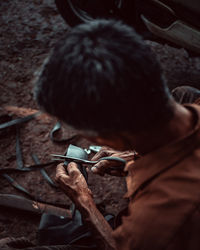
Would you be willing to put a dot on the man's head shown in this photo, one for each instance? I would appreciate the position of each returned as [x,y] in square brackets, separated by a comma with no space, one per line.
[102,77]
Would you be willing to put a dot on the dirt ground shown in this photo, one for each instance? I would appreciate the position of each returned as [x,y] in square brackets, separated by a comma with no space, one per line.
[28,31]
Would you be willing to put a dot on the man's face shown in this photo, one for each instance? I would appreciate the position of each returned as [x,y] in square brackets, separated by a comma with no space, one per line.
[114,142]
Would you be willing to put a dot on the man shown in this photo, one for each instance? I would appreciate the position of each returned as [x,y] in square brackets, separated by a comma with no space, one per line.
[103,80]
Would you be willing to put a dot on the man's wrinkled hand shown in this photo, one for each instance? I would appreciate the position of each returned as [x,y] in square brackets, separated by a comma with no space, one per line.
[102,166]
[72,182]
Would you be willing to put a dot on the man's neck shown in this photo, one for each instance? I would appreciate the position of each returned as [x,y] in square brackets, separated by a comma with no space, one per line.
[179,126]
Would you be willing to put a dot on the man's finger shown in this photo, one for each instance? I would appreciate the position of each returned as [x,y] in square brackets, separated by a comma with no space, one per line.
[129,165]
[100,167]
[102,153]
[72,169]
[61,173]
[99,155]
[103,166]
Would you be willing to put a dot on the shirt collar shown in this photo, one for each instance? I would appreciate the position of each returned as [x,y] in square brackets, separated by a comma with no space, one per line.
[155,163]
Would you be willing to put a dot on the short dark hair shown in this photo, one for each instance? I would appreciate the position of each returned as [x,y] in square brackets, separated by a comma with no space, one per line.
[103,77]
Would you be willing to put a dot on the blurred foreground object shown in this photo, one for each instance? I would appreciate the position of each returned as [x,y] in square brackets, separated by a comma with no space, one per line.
[176,22]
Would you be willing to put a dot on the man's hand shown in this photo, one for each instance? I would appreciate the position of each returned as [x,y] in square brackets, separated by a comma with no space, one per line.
[72,182]
[74,185]
[101,167]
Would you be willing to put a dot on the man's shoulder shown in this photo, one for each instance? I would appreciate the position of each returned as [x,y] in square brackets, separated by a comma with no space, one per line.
[164,190]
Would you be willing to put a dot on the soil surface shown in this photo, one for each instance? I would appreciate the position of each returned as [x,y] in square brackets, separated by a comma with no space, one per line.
[28,31]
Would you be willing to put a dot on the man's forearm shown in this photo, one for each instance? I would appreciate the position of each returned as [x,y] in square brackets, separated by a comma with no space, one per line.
[96,220]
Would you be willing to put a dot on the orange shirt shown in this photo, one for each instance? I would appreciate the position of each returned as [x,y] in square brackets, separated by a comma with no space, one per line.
[164,191]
